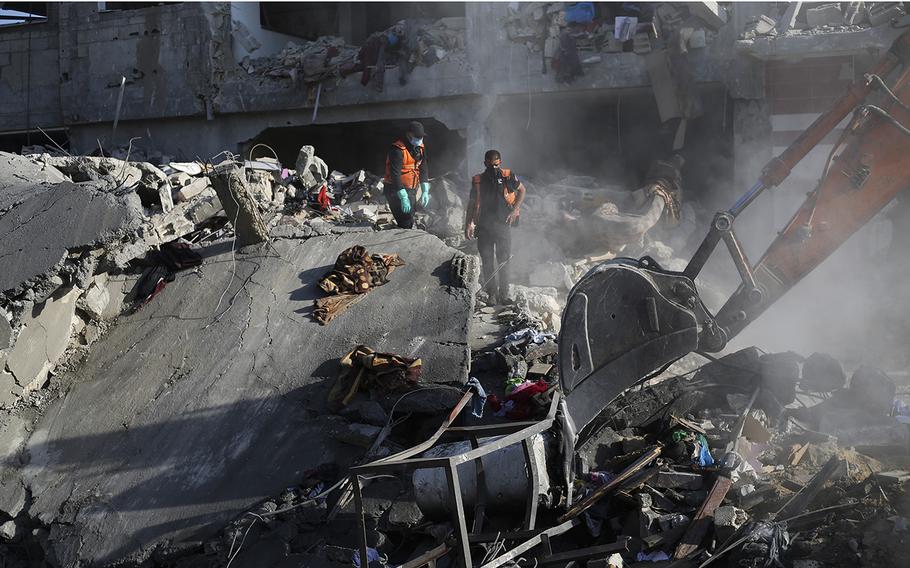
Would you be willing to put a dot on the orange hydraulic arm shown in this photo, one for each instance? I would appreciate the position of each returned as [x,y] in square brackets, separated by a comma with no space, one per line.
[869,166]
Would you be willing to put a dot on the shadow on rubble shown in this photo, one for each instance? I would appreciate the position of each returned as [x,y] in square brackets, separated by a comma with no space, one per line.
[310,289]
[194,473]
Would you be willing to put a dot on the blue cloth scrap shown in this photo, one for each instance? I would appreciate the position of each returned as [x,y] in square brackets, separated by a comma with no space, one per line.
[704,452]
[479,400]
[372,556]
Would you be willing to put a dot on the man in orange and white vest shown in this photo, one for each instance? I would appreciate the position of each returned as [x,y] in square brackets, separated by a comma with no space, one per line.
[494,208]
[407,181]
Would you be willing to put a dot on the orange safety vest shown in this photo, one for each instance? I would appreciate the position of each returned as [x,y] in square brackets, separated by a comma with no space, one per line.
[508,195]
[410,166]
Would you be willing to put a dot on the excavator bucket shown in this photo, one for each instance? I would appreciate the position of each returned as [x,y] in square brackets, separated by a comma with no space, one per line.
[624,321]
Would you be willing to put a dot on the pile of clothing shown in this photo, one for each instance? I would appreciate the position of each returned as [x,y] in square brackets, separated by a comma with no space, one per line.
[363,369]
[355,273]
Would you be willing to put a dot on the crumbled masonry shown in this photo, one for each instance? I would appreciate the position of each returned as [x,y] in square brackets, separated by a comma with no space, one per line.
[219,350]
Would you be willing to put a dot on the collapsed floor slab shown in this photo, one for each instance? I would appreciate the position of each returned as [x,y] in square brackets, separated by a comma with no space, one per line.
[212,397]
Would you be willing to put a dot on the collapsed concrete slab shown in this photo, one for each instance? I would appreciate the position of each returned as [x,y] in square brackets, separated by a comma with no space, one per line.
[37,233]
[21,177]
[212,397]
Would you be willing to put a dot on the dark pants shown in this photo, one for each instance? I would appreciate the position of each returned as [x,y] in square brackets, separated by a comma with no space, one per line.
[404,220]
[494,242]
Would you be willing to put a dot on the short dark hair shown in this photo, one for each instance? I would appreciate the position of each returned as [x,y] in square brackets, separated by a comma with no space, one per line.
[492,155]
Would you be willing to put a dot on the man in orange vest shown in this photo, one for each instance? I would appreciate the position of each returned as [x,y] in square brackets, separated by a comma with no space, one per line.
[494,207]
[405,172]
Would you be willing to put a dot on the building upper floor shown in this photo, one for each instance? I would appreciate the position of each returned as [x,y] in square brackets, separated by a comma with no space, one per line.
[89,62]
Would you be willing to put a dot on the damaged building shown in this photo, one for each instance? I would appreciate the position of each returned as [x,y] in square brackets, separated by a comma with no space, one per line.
[221,344]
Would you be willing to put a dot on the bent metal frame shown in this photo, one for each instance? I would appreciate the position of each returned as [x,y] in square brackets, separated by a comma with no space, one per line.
[512,433]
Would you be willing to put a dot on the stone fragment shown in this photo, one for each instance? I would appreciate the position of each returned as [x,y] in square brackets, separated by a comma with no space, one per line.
[874,389]
[43,339]
[96,298]
[6,331]
[824,15]
[9,531]
[711,13]
[883,12]
[9,390]
[727,519]
[311,170]
[180,179]
[823,373]
[239,205]
[12,497]
[855,13]
[191,189]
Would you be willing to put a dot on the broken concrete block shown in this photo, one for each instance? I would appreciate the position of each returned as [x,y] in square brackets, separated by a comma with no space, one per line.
[50,223]
[763,25]
[118,288]
[539,371]
[9,390]
[857,427]
[6,330]
[260,184]
[358,435]
[883,12]
[711,13]
[311,170]
[180,179]
[855,13]
[239,205]
[727,520]
[12,497]
[9,531]
[874,389]
[43,340]
[824,15]
[678,480]
[895,477]
[95,299]
[823,373]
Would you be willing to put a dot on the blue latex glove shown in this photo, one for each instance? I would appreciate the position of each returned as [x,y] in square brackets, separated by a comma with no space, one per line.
[405,200]
[424,193]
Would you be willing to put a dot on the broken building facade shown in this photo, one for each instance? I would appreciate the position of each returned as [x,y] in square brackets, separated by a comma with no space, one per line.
[195,79]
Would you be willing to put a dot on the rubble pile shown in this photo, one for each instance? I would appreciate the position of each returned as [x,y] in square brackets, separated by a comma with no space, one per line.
[405,45]
[570,35]
[797,18]
[726,465]
[81,275]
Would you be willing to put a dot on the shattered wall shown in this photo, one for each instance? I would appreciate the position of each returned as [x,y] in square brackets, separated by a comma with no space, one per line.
[29,75]
[162,51]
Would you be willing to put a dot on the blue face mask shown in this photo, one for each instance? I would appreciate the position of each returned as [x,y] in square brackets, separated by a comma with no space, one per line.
[416,141]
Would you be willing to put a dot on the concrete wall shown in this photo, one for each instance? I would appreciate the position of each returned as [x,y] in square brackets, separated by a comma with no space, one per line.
[165,53]
[30,74]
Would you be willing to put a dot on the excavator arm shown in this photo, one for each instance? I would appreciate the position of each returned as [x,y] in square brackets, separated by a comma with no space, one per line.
[629,319]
